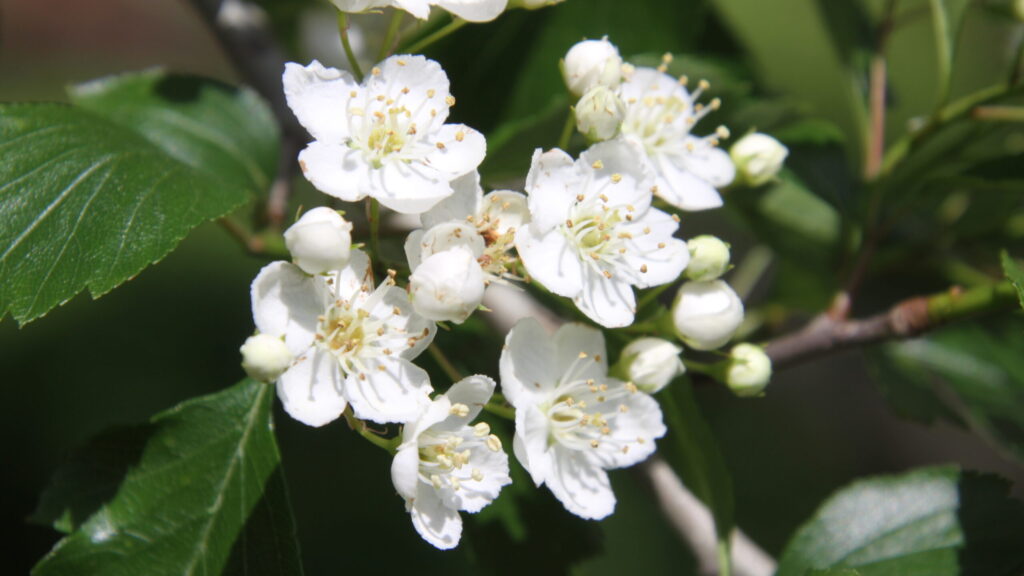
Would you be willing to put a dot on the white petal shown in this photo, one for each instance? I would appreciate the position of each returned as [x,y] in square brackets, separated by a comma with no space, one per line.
[527,364]
[337,170]
[684,190]
[473,495]
[573,338]
[404,326]
[311,389]
[473,391]
[286,302]
[462,203]
[550,260]
[655,257]
[505,209]
[394,390]
[418,8]
[625,159]
[608,301]
[531,443]
[413,251]
[551,185]
[319,98]
[463,150]
[650,82]
[474,10]
[427,85]
[354,278]
[405,470]
[451,234]
[709,163]
[437,524]
[411,188]
[636,428]
[580,484]
[437,413]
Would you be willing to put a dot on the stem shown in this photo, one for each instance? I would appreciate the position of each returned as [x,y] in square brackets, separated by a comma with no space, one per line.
[440,33]
[390,37]
[945,64]
[876,104]
[506,412]
[449,369]
[349,53]
[389,444]
[567,130]
[998,113]
[724,561]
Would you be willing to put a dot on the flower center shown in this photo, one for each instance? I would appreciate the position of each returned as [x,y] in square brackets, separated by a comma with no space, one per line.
[446,458]
[591,229]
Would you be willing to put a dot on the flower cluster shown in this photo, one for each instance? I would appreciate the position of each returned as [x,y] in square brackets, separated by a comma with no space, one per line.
[338,343]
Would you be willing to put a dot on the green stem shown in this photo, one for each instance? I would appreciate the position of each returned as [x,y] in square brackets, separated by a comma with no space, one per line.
[440,33]
[389,444]
[349,53]
[724,558]
[389,36]
[945,50]
[998,113]
[449,369]
[715,370]
[567,130]
[500,410]
[958,304]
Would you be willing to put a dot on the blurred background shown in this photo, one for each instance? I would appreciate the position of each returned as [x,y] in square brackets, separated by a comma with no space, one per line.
[173,332]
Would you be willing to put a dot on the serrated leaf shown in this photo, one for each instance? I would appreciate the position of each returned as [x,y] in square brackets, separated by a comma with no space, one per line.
[1014,273]
[204,495]
[933,522]
[225,131]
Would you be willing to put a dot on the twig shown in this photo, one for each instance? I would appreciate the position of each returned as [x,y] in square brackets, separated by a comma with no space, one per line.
[876,104]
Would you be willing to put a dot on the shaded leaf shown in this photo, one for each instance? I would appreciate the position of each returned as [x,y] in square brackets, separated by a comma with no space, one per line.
[1015,274]
[933,521]
[205,495]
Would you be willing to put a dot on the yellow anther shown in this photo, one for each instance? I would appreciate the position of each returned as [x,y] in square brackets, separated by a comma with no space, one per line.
[597,165]
[375,71]
[477,475]
[430,93]
[440,145]
[449,100]
[703,85]
[481,429]
[459,409]
[643,268]
[460,135]
[494,443]
[631,387]
[436,481]
[594,443]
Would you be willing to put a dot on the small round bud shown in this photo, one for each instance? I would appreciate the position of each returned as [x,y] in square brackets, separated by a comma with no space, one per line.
[592,63]
[709,258]
[706,314]
[265,357]
[319,241]
[749,370]
[599,114]
[532,4]
[651,363]
[447,285]
[758,158]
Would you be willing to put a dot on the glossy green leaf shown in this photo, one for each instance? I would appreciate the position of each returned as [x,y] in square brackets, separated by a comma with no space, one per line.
[203,493]
[1015,274]
[227,132]
[930,522]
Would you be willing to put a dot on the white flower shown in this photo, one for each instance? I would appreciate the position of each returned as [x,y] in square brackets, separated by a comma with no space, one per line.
[709,258]
[573,422]
[651,363]
[593,234]
[660,113]
[749,370]
[706,314]
[486,225]
[352,343]
[265,357]
[591,63]
[445,465]
[320,241]
[471,10]
[385,138]
[447,286]
[758,158]
[599,114]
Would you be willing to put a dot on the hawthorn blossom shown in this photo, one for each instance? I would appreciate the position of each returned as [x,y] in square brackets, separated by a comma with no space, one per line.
[706,314]
[447,286]
[471,10]
[385,138]
[593,234]
[660,115]
[352,343]
[320,241]
[758,158]
[445,465]
[573,421]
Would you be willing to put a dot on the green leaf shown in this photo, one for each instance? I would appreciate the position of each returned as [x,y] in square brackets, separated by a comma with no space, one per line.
[227,132]
[947,17]
[1014,273]
[203,493]
[697,457]
[933,522]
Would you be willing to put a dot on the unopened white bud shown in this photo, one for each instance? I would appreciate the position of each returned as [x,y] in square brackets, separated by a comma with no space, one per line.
[706,314]
[265,357]
[758,158]
[320,241]
[532,4]
[749,370]
[709,258]
[599,114]
[651,363]
[592,63]
[447,285]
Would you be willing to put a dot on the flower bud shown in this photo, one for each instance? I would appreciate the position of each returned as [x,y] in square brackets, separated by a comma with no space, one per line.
[592,63]
[532,4]
[709,258]
[651,363]
[749,370]
[447,285]
[758,158]
[599,114]
[319,241]
[265,357]
[706,314]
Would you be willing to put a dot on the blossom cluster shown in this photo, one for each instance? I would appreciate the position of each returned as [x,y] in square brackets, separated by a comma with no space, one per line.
[591,229]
